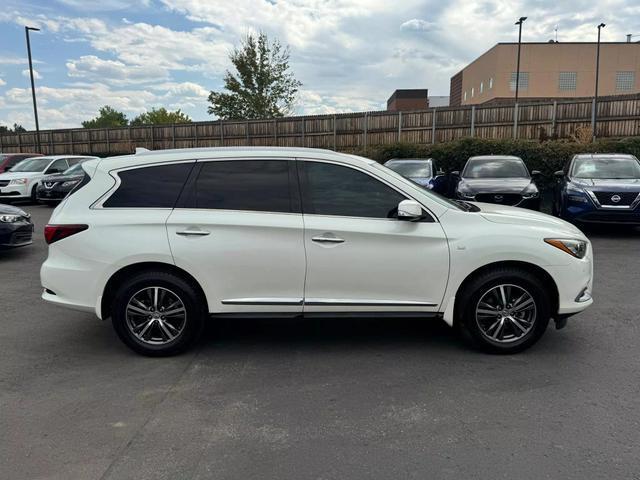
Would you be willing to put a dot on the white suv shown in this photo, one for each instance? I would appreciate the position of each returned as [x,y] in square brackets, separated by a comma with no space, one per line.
[159,241]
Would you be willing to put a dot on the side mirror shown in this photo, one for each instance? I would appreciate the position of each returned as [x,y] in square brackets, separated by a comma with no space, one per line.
[440,172]
[409,210]
[455,173]
[536,173]
[559,174]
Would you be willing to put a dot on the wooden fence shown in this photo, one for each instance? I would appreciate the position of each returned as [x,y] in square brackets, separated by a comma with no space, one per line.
[617,117]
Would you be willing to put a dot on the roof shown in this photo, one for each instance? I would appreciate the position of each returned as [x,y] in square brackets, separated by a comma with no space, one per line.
[491,157]
[266,153]
[429,160]
[56,157]
[600,155]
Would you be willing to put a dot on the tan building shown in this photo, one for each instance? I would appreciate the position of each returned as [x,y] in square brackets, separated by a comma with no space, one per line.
[547,71]
[411,99]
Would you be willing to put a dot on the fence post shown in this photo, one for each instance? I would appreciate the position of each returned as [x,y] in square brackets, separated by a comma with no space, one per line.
[304,127]
[433,126]
[0,143]
[173,136]
[593,118]
[247,127]
[275,132]
[473,121]
[515,120]
[90,143]
[131,145]
[19,143]
[152,137]
[335,147]
[554,114]
[222,133]
[399,126]
[195,134]
[72,149]
[366,118]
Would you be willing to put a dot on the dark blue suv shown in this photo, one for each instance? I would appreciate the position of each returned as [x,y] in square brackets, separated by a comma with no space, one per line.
[599,188]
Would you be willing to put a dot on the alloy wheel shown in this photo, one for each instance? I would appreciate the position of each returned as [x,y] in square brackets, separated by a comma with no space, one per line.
[506,313]
[156,315]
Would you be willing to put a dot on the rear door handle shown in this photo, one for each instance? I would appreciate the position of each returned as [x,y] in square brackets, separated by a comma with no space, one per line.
[193,233]
[327,240]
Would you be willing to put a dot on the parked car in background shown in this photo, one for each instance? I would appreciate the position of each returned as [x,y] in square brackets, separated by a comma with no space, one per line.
[53,188]
[21,182]
[16,228]
[8,160]
[422,171]
[177,235]
[498,179]
[599,188]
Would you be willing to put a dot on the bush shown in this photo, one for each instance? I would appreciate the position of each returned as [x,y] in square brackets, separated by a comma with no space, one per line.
[548,156]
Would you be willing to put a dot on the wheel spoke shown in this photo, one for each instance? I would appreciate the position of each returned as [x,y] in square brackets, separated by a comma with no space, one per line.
[166,331]
[139,311]
[176,311]
[146,327]
[503,296]
[505,313]
[491,313]
[155,298]
[156,315]
[528,303]
[515,321]
[498,329]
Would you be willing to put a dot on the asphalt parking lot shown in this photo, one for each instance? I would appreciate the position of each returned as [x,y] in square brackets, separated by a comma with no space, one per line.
[325,399]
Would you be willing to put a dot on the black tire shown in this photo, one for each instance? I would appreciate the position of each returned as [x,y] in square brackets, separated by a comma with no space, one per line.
[518,281]
[190,328]
[34,195]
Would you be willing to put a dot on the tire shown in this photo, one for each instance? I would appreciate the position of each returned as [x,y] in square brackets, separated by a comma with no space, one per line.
[150,333]
[511,329]
[34,193]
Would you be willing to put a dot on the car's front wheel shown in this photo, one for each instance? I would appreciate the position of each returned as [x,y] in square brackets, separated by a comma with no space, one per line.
[505,310]
[157,313]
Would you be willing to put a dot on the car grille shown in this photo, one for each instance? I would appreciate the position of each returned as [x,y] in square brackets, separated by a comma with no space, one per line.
[4,183]
[500,198]
[610,217]
[625,198]
[22,236]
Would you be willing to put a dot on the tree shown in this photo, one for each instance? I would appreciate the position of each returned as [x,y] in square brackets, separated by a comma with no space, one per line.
[108,117]
[160,116]
[262,87]
[17,128]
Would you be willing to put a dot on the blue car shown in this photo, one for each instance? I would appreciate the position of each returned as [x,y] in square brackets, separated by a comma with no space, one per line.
[599,188]
[421,171]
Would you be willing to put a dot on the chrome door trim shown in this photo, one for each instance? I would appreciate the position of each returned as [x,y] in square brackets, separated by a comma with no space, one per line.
[262,301]
[365,302]
[327,240]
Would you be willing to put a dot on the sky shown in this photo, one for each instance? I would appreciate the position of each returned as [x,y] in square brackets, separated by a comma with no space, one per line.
[350,55]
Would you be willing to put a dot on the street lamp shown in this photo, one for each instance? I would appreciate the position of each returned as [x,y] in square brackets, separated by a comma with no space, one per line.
[519,23]
[33,87]
[594,119]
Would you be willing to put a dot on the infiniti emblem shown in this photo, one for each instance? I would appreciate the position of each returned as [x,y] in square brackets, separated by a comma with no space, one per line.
[498,198]
[616,198]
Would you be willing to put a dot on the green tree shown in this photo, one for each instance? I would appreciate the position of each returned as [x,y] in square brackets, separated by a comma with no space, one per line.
[261,87]
[17,128]
[108,117]
[160,116]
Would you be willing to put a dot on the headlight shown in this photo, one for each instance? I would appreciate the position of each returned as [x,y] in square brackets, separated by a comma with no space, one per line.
[9,218]
[576,194]
[70,183]
[575,248]
[465,192]
[531,191]
[18,181]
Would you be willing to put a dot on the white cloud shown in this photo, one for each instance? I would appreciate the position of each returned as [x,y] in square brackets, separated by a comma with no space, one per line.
[417,25]
[2,82]
[91,67]
[36,75]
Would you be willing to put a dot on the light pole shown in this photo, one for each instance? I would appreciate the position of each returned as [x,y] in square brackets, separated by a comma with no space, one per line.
[33,87]
[519,23]
[594,120]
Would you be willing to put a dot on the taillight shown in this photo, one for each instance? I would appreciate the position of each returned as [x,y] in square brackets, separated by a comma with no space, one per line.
[53,233]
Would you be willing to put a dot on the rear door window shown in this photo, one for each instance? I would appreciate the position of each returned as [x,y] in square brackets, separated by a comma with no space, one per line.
[150,187]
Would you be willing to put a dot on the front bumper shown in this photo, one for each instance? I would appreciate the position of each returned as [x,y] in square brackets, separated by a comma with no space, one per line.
[18,234]
[15,191]
[56,193]
[575,284]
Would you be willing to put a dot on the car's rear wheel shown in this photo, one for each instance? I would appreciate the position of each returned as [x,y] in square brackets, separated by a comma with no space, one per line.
[505,310]
[158,313]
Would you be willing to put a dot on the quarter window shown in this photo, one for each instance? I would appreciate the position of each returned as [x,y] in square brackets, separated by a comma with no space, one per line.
[254,185]
[331,189]
[150,187]
[58,166]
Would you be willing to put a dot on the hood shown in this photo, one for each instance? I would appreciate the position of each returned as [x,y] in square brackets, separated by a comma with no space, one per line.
[61,177]
[608,184]
[11,210]
[422,181]
[522,216]
[12,175]
[496,185]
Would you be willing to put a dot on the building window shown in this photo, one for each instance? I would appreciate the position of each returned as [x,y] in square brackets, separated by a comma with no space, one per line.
[481,87]
[472,92]
[524,81]
[567,80]
[625,81]
[465,96]
[490,83]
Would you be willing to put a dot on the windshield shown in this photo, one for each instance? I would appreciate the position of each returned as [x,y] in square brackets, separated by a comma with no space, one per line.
[495,167]
[75,170]
[32,165]
[410,168]
[609,167]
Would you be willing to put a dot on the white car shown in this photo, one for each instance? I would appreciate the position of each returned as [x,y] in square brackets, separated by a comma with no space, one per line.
[159,241]
[21,181]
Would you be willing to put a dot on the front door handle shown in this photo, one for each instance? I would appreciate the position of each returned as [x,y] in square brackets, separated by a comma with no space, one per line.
[194,233]
[327,240]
